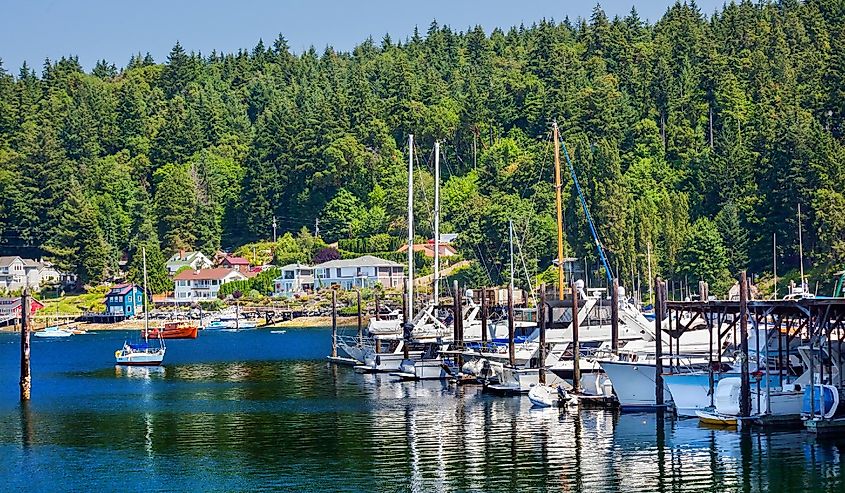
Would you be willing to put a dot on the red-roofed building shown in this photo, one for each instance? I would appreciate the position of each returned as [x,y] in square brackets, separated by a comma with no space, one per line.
[203,284]
[239,264]
[11,307]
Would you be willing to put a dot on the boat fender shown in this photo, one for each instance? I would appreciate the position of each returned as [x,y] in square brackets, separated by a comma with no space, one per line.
[117,353]
[378,360]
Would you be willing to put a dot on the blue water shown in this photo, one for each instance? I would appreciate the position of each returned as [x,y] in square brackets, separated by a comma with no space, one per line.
[255,411]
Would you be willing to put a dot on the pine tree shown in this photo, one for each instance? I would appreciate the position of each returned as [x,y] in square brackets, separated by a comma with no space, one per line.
[146,238]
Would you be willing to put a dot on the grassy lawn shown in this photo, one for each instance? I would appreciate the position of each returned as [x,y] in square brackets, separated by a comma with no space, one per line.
[92,301]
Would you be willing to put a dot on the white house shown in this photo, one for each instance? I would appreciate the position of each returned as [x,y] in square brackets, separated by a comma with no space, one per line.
[17,273]
[194,260]
[295,278]
[363,271]
[202,284]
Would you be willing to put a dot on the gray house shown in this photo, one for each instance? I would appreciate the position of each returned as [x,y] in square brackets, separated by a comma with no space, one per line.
[359,272]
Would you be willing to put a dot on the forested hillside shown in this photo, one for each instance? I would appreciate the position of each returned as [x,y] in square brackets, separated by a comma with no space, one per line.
[695,137]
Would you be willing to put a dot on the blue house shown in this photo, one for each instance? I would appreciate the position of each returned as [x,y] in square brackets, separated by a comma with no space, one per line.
[125,299]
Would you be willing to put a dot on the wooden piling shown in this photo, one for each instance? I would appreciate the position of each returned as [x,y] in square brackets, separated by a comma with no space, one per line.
[614,317]
[659,294]
[459,325]
[541,321]
[745,384]
[378,306]
[334,323]
[360,322]
[483,317]
[26,376]
[576,345]
[511,332]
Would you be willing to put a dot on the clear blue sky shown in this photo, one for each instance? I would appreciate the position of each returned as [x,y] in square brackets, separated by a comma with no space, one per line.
[115,29]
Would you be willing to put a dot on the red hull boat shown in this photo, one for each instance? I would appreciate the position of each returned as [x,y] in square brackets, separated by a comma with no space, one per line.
[174,330]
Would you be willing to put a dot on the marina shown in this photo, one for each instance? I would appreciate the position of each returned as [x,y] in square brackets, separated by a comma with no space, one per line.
[277,416]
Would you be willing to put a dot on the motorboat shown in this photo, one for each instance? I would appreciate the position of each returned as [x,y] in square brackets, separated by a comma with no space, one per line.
[52,332]
[173,330]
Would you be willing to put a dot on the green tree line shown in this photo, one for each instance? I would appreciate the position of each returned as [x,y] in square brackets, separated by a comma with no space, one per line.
[694,138]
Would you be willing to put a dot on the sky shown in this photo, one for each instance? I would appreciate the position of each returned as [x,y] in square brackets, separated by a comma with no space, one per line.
[33,30]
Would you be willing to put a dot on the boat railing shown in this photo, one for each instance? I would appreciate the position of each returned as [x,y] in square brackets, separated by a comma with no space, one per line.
[352,340]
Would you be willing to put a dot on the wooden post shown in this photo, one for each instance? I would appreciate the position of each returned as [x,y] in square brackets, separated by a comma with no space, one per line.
[405,321]
[483,317]
[360,322]
[541,321]
[511,332]
[334,323]
[26,376]
[576,346]
[745,384]
[659,299]
[614,317]
[459,325]
[378,307]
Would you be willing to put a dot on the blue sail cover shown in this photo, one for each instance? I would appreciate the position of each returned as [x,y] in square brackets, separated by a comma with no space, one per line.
[140,346]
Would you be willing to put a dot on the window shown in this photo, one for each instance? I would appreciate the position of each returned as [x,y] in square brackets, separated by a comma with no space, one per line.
[288,274]
[338,271]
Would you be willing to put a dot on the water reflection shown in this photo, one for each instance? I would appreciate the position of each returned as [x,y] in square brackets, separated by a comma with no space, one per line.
[299,425]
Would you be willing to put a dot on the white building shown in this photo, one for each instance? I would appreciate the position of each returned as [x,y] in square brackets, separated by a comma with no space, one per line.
[194,260]
[362,272]
[18,273]
[202,284]
[295,278]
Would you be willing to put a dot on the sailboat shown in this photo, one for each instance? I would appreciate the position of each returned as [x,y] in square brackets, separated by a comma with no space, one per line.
[143,354]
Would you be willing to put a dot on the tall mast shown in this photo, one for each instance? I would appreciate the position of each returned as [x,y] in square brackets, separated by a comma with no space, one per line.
[559,200]
[510,240]
[800,248]
[436,223]
[410,227]
[146,317]
[650,279]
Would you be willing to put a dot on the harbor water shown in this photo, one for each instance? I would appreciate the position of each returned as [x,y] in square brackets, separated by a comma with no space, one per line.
[254,410]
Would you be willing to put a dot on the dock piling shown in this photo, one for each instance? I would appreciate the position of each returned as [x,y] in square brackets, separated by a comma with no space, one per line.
[26,376]
[360,322]
[334,323]
[511,347]
[541,321]
[459,325]
[614,316]
[576,346]
[659,294]
[745,387]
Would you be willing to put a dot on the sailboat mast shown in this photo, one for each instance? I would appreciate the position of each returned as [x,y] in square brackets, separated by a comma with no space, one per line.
[410,227]
[775,262]
[436,223]
[800,248]
[510,240]
[146,317]
[559,201]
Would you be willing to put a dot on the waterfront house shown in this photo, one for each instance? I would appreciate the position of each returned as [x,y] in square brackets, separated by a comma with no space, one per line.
[294,278]
[203,284]
[364,271]
[17,273]
[10,308]
[194,260]
[239,264]
[125,300]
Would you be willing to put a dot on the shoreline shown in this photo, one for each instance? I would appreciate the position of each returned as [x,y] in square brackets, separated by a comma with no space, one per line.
[299,322]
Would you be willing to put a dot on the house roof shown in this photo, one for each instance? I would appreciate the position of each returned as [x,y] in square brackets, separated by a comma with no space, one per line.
[235,260]
[295,266]
[184,257]
[12,303]
[121,289]
[207,274]
[7,261]
[364,261]
[428,249]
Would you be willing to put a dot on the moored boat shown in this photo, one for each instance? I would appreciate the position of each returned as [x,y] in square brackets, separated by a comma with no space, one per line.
[52,332]
[173,330]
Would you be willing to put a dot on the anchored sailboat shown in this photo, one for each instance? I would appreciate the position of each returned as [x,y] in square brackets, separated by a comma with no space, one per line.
[143,354]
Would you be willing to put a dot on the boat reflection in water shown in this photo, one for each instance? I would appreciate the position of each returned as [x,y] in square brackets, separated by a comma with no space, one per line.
[301,425]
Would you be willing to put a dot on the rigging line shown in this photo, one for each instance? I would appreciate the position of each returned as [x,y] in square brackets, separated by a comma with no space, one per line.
[525,269]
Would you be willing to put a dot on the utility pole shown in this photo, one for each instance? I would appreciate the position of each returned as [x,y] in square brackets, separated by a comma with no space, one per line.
[316,227]
[274,229]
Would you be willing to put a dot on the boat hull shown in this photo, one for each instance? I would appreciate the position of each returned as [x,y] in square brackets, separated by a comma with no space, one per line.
[634,384]
[180,333]
[146,358]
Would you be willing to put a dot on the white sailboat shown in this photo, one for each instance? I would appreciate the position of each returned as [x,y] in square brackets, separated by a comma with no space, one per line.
[143,354]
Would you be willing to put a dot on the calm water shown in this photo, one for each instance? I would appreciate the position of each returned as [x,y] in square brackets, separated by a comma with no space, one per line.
[259,411]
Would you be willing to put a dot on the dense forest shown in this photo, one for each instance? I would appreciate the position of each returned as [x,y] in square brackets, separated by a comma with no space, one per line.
[694,138]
